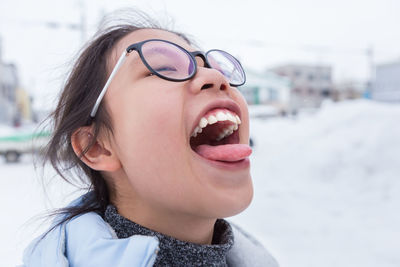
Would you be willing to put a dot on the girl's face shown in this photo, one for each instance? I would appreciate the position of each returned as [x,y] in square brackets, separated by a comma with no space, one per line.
[153,121]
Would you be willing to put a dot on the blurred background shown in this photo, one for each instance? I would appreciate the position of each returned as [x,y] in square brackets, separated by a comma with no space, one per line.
[323,87]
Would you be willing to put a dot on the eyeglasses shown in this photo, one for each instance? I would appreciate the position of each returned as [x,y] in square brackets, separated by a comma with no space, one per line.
[172,62]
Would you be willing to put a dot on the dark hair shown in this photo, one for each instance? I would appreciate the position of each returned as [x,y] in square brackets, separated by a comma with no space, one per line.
[82,87]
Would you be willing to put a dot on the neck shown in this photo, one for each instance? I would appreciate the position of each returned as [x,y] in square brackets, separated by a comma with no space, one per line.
[179,225]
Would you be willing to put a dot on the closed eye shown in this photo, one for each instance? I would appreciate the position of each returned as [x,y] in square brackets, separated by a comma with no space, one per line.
[166,68]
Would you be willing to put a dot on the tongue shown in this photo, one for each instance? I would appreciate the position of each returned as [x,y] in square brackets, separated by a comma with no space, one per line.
[231,152]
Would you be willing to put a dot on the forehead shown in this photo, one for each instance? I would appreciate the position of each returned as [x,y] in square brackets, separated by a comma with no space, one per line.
[145,34]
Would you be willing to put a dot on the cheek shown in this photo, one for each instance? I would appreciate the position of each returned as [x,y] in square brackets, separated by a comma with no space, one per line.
[239,98]
[149,131]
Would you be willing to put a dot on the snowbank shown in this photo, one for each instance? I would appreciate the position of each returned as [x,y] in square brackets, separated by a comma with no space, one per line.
[327,186]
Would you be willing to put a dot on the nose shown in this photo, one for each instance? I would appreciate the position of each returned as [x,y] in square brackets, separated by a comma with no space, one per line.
[208,78]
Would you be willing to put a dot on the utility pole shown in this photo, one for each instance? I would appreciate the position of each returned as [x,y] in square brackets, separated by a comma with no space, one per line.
[83,22]
[80,26]
[370,59]
[1,50]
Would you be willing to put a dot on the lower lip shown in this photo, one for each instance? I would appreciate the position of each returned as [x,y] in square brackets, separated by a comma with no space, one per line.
[226,165]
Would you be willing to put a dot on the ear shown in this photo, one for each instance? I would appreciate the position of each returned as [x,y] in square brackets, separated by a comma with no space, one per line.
[100,156]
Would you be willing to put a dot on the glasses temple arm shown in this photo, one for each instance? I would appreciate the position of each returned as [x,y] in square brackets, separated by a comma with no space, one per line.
[104,90]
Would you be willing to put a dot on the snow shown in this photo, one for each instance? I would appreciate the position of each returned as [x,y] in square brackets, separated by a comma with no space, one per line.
[327,189]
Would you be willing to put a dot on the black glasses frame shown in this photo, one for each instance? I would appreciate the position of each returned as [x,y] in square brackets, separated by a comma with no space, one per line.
[192,55]
[138,48]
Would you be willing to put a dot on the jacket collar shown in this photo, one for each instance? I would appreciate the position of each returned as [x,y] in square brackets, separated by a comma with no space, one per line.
[87,240]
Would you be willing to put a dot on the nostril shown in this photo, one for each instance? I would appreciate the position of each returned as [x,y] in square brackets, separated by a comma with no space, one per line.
[210,85]
[207,86]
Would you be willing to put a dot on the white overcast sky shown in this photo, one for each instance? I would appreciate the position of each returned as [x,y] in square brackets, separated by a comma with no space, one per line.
[262,33]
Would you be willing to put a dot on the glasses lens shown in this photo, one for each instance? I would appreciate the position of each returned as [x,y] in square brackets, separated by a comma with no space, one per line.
[168,60]
[228,65]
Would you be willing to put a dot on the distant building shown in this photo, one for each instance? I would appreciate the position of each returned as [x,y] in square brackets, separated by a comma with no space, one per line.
[387,83]
[267,88]
[311,84]
[8,86]
[24,104]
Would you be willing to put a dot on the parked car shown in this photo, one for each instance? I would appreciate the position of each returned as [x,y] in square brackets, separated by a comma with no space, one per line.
[15,142]
[263,111]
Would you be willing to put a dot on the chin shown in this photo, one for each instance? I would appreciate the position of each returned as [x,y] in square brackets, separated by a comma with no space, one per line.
[232,202]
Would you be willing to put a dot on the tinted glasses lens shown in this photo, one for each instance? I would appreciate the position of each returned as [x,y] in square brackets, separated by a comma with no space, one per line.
[168,60]
[227,65]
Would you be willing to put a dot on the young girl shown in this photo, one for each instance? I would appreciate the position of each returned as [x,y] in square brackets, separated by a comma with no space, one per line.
[161,132]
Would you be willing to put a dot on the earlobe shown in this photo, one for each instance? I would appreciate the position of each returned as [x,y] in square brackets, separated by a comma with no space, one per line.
[99,156]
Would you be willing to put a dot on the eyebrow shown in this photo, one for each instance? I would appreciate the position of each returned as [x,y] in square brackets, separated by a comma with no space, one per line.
[163,51]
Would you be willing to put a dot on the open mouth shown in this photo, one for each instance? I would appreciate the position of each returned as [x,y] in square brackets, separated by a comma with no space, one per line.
[216,137]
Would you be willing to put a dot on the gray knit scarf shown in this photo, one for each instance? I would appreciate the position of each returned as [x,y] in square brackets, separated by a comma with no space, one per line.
[174,252]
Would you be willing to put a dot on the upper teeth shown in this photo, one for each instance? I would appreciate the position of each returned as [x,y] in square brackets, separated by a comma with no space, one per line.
[219,116]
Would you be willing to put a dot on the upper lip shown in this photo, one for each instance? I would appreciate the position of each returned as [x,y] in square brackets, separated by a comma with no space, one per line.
[221,103]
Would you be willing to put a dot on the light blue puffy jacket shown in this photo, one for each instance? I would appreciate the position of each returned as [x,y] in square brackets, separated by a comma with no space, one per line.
[88,241]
